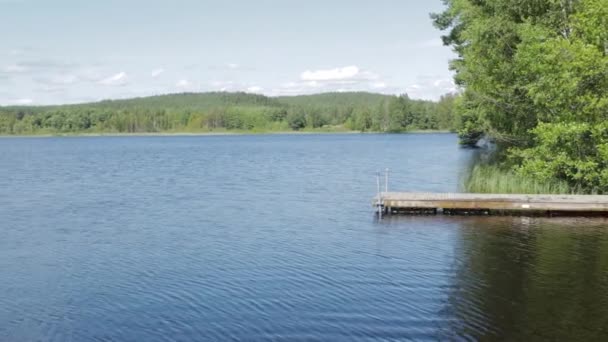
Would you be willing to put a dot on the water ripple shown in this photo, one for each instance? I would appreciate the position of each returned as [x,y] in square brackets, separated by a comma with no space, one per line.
[272,238]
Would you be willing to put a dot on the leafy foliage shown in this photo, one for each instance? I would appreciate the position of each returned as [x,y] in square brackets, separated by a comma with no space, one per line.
[577,152]
[535,74]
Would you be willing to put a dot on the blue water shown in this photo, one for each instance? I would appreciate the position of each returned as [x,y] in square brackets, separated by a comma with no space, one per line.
[274,238]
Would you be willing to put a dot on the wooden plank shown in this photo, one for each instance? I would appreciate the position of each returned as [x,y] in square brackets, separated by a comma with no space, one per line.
[499,202]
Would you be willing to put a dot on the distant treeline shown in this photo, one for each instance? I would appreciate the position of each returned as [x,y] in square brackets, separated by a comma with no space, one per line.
[208,112]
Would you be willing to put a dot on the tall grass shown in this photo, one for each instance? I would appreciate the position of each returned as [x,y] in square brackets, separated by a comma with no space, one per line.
[485,178]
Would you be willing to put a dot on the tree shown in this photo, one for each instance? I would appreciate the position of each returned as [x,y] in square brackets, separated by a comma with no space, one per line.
[399,115]
[532,69]
[296,119]
[216,111]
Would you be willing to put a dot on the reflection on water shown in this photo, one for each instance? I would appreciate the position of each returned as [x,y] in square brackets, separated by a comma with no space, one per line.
[523,279]
[273,237]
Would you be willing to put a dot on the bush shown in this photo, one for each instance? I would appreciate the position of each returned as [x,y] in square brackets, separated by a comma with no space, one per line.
[296,120]
[576,153]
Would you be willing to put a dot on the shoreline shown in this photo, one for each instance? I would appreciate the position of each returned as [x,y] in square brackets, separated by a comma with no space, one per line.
[194,134]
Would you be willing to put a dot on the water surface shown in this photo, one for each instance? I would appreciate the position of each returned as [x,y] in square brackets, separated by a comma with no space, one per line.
[273,237]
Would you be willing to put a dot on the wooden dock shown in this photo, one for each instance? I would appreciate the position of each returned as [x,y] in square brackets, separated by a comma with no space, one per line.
[487,204]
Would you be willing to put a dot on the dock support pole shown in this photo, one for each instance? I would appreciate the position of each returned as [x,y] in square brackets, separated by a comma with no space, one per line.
[379,201]
[386,180]
[387,210]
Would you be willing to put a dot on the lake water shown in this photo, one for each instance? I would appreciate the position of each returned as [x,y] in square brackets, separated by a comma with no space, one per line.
[273,237]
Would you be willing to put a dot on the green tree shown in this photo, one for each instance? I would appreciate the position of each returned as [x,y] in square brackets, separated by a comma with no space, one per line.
[296,119]
[399,114]
[533,70]
[217,111]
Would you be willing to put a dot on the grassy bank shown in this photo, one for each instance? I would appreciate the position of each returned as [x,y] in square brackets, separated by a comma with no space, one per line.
[319,130]
[485,178]
[217,131]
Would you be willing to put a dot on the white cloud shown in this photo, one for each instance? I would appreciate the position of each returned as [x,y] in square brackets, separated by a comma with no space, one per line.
[344,73]
[65,79]
[15,68]
[378,85]
[369,76]
[115,80]
[229,85]
[24,101]
[184,85]
[222,84]
[344,79]
[447,85]
[157,72]
[431,88]
[289,85]
[254,89]
[444,83]
[232,67]
[313,84]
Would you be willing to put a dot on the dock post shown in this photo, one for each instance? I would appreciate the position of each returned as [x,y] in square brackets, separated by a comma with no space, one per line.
[387,210]
[386,180]
[379,200]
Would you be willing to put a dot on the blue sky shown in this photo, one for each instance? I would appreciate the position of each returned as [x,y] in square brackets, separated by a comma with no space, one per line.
[67,51]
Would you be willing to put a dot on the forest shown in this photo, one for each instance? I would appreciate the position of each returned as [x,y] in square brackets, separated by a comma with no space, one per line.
[239,112]
[534,75]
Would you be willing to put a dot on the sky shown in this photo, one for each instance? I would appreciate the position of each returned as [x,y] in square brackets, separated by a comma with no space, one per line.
[69,51]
